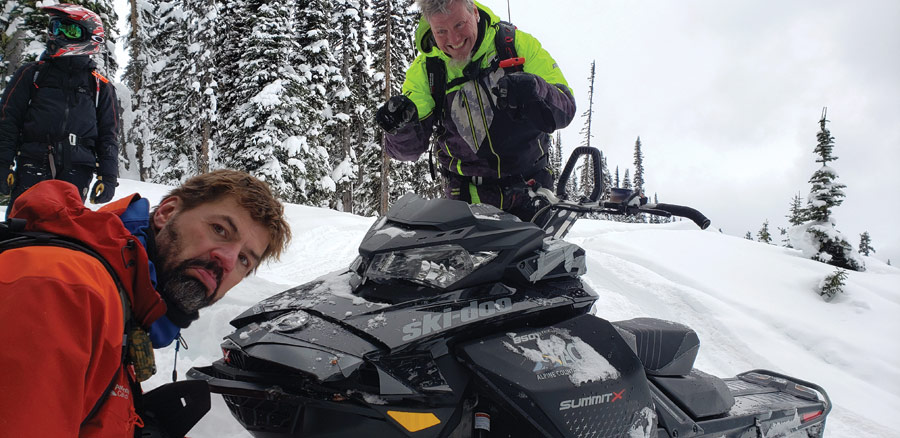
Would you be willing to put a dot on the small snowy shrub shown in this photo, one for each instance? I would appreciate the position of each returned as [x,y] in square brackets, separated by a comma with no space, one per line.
[832,285]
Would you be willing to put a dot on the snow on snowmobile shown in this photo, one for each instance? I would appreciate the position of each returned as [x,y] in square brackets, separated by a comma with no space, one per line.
[460,320]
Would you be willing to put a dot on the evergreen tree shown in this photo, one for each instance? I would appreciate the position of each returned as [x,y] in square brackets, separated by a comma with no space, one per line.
[607,178]
[827,244]
[797,214]
[748,236]
[325,96]
[617,177]
[763,234]
[354,46]
[556,159]
[638,167]
[268,131]
[626,181]
[573,188]
[393,50]
[23,39]
[588,114]
[586,172]
[832,285]
[865,244]
[352,54]
[157,34]
[175,158]
[785,238]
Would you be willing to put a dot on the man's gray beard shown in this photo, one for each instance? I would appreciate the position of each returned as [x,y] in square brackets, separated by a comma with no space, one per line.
[188,293]
[454,63]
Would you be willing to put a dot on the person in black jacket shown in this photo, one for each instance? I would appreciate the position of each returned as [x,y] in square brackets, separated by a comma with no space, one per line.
[58,117]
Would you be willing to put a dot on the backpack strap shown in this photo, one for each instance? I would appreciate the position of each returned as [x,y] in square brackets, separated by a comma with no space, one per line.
[42,66]
[12,236]
[505,43]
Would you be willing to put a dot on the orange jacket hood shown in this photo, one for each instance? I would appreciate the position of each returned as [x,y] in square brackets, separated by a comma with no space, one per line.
[55,206]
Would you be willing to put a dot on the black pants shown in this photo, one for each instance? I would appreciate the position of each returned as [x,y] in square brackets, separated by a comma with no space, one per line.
[510,195]
[30,171]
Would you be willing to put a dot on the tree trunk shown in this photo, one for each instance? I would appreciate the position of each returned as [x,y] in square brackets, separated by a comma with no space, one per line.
[385,160]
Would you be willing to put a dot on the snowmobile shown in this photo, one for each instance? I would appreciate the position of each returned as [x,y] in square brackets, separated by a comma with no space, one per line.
[460,320]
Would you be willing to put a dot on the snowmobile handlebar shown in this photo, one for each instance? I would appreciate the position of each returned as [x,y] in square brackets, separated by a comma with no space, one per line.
[681,211]
[567,171]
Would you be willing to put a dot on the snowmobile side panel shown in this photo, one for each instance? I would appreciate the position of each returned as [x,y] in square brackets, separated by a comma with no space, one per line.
[561,376]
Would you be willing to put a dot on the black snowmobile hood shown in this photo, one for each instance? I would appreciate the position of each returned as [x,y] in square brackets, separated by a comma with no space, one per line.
[325,315]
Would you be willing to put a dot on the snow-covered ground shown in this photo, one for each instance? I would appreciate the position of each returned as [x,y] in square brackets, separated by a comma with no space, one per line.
[753,306]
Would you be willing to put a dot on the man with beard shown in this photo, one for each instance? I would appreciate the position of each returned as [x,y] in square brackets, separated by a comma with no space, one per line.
[64,308]
[490,94]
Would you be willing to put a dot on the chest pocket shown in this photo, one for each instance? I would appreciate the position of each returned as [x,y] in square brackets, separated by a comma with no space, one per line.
[472,111]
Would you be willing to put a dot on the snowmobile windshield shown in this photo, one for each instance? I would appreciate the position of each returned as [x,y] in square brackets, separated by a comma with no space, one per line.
[437,266]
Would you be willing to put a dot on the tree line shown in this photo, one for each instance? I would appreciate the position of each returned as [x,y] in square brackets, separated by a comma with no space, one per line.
[284,90]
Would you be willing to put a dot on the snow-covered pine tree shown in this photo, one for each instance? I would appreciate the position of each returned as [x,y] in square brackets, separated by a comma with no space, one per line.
[321,104]
[556,158]
[573,187]
[797,212]
[626,180]
[817,237]
[638,181]
[585,173]
[23,38]
[366,92]
[763,233]
[351,50]
[268,131]
[607,178]
[201,77]
[586,169]
[748,236]
[174,157]
[618,181]
[832,284]
[865,244]
[153,71]
[394,24]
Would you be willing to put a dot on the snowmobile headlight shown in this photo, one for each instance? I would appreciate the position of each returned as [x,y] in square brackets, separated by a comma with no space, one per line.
[439,266]
[289,322]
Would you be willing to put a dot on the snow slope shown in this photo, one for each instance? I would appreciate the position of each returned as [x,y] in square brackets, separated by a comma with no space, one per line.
[753,306]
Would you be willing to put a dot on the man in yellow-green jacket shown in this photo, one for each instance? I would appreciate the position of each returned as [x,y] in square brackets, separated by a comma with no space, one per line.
[499,96]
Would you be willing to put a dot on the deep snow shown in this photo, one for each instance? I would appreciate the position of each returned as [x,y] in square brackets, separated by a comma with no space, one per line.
[753,305]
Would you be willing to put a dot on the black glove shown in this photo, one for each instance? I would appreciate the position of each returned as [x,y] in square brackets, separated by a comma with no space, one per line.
[104,189]
[8,181]
[396,113]
[516,89]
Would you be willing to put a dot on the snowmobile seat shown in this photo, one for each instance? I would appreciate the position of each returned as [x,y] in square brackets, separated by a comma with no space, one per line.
[665,348]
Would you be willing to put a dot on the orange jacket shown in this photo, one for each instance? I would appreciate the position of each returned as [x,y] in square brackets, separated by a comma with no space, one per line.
[61,319]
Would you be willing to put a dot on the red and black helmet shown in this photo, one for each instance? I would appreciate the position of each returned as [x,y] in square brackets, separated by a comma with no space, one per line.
[74,30]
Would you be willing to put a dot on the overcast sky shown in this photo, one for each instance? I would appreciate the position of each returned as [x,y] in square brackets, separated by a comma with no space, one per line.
[726,97]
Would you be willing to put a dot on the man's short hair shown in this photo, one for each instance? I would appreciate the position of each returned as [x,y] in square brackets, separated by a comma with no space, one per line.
[431,7]
[251,193]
